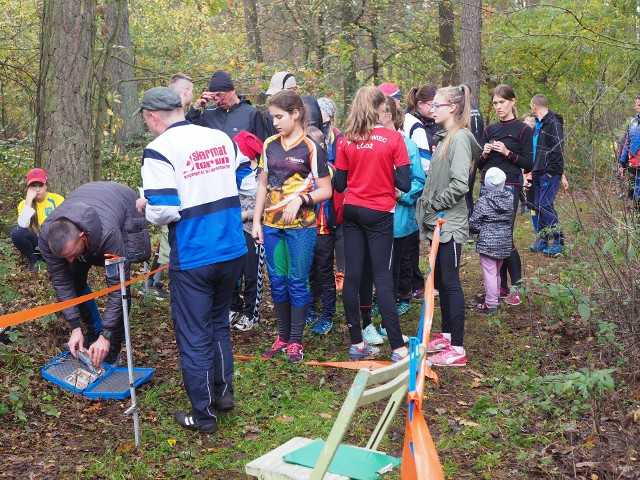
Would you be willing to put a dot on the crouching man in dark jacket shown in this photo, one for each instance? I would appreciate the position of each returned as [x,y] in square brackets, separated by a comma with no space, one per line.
[97,219]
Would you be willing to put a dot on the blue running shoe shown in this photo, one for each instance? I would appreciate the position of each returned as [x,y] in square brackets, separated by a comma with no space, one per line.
[540,246]
[403,307]
[323,326]
[312,317]
[383,333]
[554,250]
[357,353]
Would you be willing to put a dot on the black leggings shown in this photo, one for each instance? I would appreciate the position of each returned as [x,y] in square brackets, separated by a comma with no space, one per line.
[411,278]
[369,232]
[447,281]
[512,264]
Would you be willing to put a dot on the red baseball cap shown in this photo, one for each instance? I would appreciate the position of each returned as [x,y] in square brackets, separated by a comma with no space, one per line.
[36,175]
[390,89]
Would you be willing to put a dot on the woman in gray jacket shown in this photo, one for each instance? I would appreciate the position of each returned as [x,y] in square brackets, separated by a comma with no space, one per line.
[445,190]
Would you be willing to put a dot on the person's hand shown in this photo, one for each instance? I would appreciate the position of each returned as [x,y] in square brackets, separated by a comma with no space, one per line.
[256,233]
[31,196]
[291,211]
[620,170]
[205,98]
[76,341]
[141,203]
[486,150]
[398,194]
[99,350]
[565,183]
[500,148]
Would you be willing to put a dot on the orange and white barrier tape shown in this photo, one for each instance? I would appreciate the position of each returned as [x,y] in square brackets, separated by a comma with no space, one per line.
[37,312]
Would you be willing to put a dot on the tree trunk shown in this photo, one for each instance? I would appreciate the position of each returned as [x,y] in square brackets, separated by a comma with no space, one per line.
[447,43]
[123,79]
[471,47]
[348,61]
[64,98]
[253,33]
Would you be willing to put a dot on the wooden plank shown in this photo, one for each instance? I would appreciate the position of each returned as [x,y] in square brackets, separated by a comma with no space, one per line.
[270,466]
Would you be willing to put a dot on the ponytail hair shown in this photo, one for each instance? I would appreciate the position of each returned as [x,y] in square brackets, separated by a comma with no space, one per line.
[424,94]
[397,115]
[461,98]
[506,91]
[363,115]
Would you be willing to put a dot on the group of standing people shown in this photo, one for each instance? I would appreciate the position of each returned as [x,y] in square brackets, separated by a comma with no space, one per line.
[234,198]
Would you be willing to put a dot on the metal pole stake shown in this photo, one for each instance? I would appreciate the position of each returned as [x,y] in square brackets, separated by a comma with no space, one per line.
[111,263]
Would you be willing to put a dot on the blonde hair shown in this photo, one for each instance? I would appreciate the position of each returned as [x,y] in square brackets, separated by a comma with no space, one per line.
[461,98]
[363,115]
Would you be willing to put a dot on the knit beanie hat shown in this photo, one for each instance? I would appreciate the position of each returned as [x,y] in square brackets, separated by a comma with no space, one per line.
[494,179]
[221,82]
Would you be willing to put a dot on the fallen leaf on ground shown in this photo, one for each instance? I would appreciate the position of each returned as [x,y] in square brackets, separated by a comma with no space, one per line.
[285,419]
[474,373]
[467,423]
[125,447]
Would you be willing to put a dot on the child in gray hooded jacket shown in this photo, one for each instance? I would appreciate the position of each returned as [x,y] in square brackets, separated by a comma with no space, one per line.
[491,218]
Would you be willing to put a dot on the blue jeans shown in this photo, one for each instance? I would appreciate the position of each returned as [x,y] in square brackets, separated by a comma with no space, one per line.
[26,242]
[545,188]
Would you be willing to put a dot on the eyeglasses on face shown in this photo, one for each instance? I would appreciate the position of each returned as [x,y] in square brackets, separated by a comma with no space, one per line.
[435,106]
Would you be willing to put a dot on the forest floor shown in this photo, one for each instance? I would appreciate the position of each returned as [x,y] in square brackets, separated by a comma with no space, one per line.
[493,419]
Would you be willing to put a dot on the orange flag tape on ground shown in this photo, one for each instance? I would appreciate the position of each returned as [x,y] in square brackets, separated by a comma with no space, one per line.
[37,312]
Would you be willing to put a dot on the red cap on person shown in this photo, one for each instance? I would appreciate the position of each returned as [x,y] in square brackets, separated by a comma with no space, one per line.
[36,175]
[249,144]
[390,89]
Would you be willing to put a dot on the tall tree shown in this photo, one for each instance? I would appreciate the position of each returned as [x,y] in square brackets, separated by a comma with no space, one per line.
[471,47]
[253,32]
[447,43]
[123,78]
[64,98]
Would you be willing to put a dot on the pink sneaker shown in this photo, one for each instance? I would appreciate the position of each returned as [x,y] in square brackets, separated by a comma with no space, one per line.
[513,299]
[437,343]
[295,352]
[448,357]
[279,346]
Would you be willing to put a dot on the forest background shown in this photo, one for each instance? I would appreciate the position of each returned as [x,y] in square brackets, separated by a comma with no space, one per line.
[71,71]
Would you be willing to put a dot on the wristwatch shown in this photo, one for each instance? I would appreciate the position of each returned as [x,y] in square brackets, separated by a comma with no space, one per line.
[106,333]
